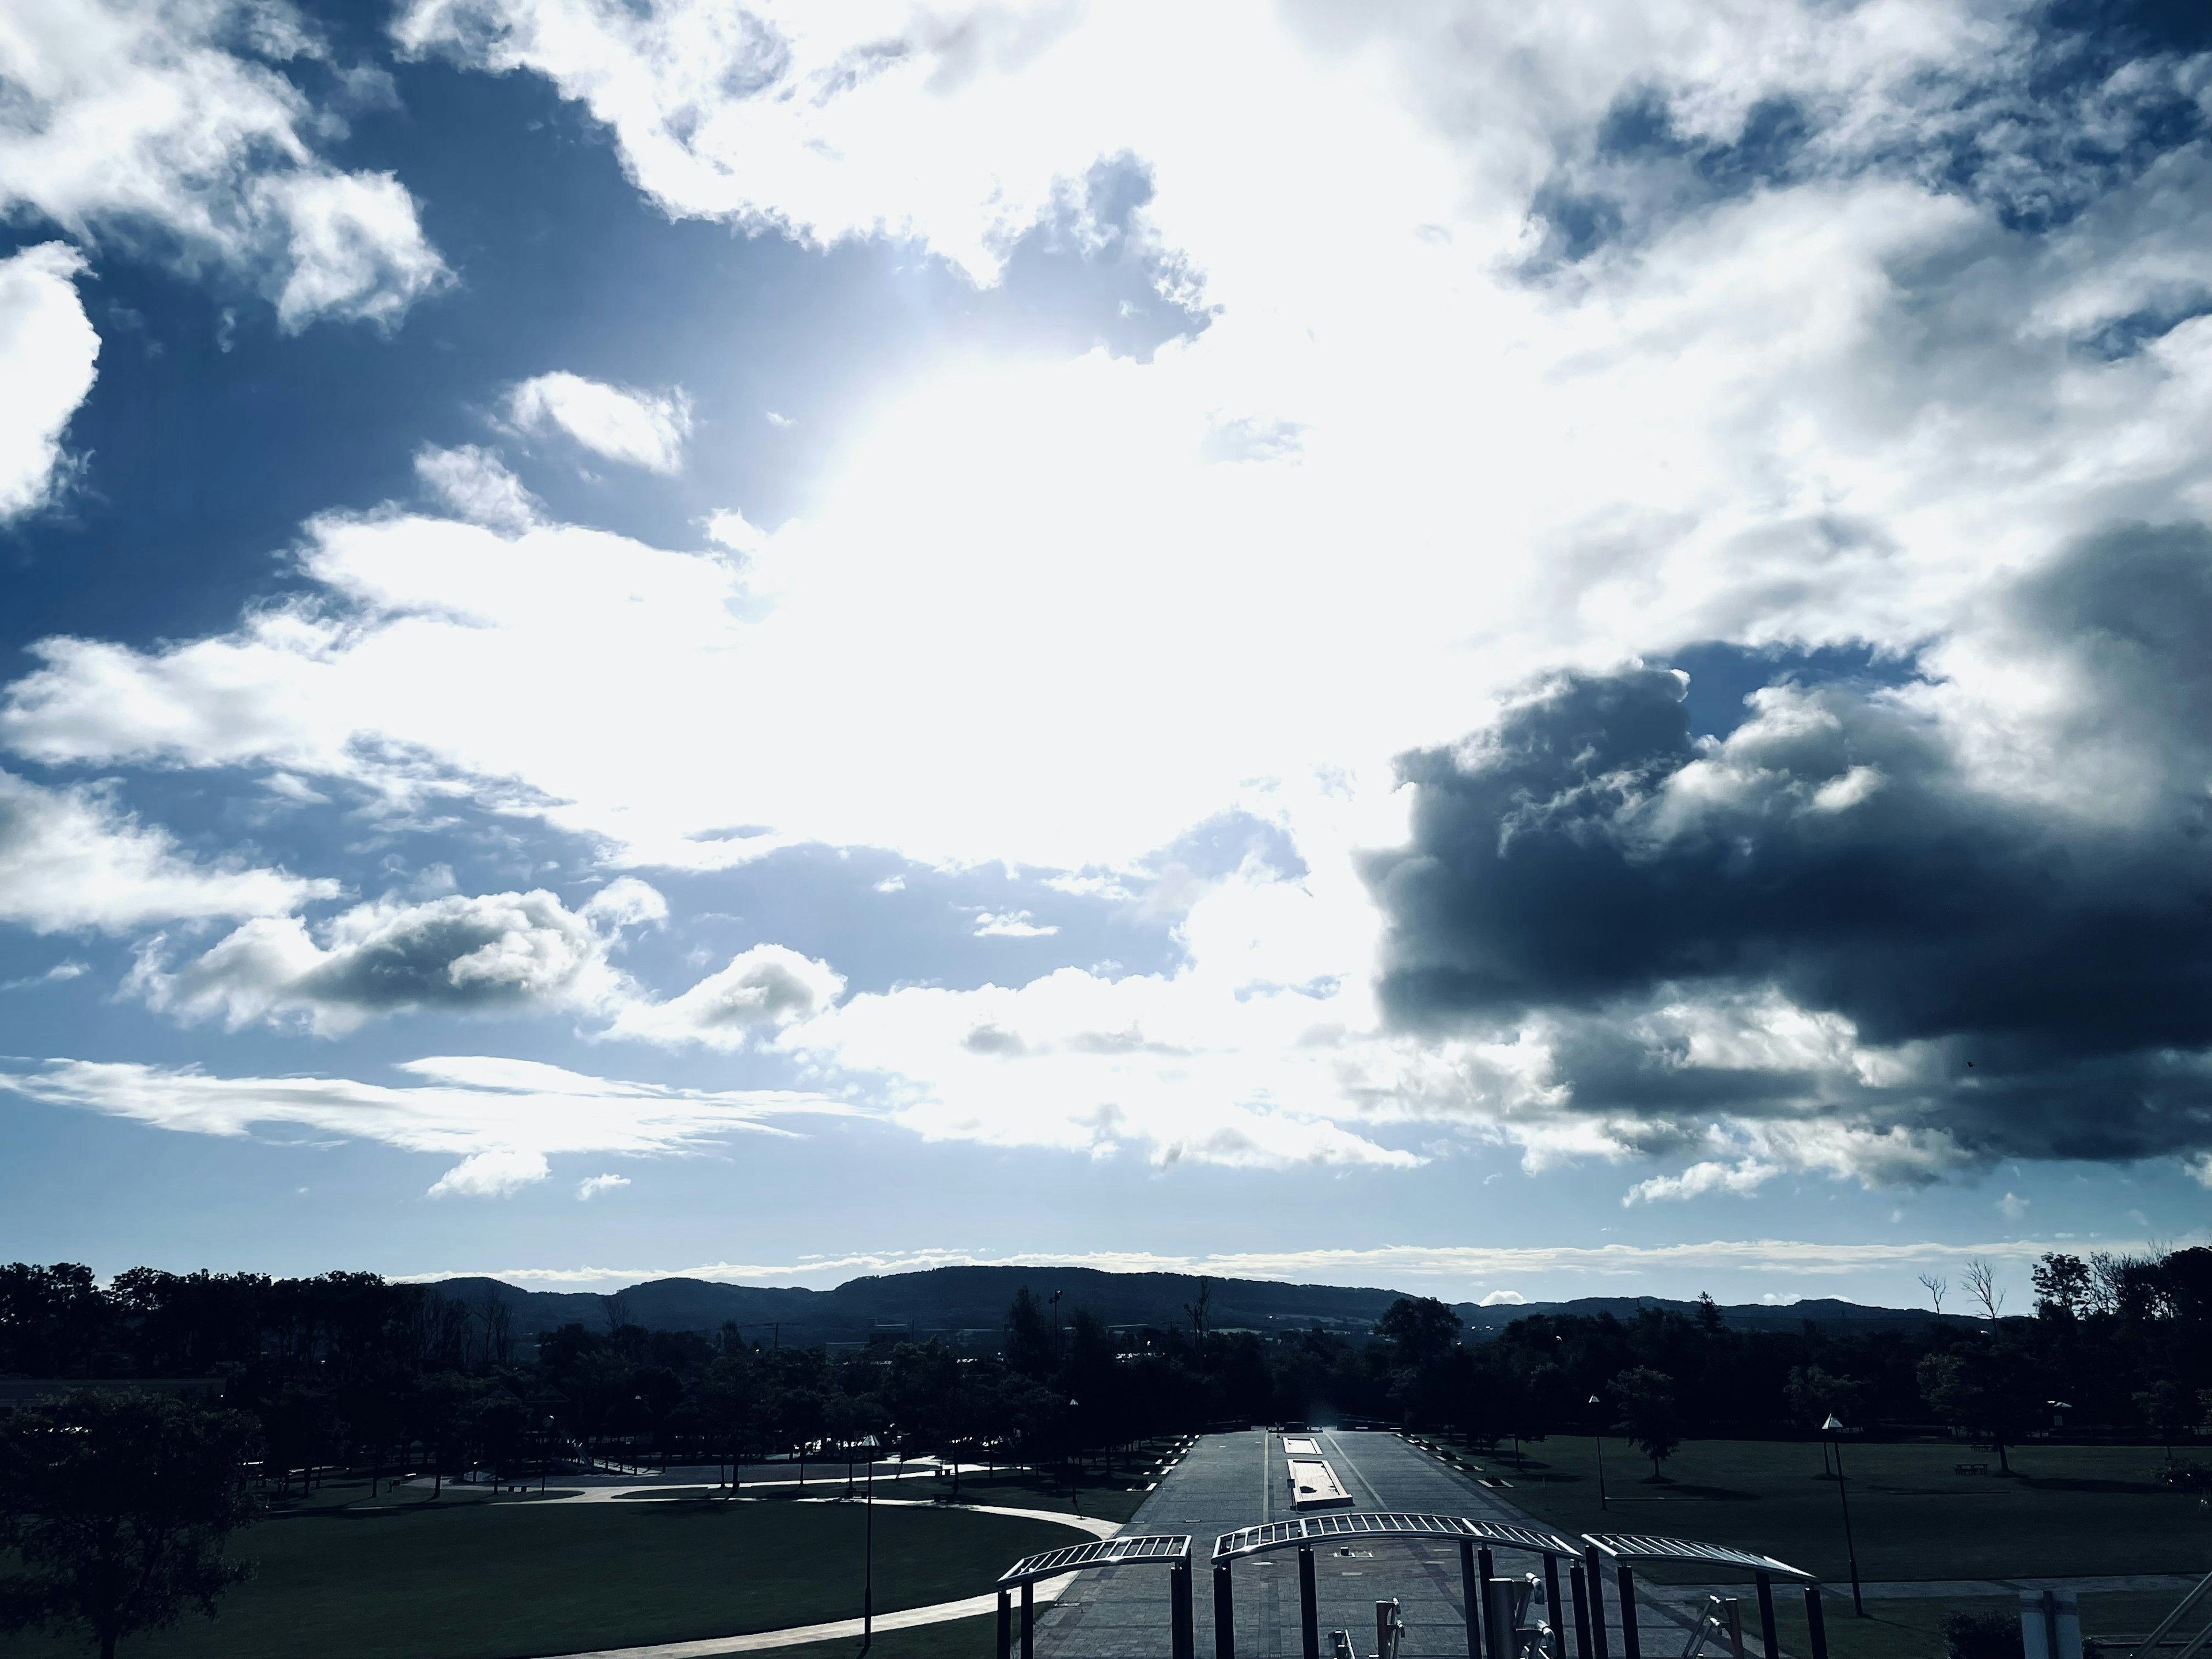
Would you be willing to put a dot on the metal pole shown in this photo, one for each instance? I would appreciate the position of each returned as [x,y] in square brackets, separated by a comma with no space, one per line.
[1596,1601]
[1582,1612]
[1767,1617]
[1309,1607]
[1182,1637]
[1467,1593]
[1006,1626]
[1498,1600]
[1858,1605]
[868,1573]
[1224,1614]
[1554,1615]
[1485,1570]
[1630,1640]
[1816,1624]
[1028,1621]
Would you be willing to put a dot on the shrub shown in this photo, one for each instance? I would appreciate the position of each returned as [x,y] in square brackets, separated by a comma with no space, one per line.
[1982,1636]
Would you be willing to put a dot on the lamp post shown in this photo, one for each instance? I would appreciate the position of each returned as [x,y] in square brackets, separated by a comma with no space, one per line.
[1833,1428]
[1072,1404]
[1595,1400]
[868,1443]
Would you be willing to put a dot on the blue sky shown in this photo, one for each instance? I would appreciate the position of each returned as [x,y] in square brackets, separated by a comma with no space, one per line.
[1512,657]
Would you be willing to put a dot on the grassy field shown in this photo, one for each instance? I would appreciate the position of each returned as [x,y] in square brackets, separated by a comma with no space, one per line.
[1913,1629]
[502,1580]
[2069,1510]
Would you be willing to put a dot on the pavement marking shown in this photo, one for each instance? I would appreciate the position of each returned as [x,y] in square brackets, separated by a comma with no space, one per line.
[1376,1496]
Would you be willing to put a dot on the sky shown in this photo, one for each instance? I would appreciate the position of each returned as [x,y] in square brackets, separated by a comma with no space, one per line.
[1515,652]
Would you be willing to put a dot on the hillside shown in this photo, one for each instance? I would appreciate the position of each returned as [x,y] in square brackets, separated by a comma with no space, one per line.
[950,1301]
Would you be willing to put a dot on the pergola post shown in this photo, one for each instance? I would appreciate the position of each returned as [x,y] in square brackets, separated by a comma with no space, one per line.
[1766,1617]
[1816,1621]
[1470,1596]
[1029,1620]
[1554,1615]
[1182,1637]
[1485,1570]
[1597,1602]
[1582,1613]
[1224,1614]
[1309,1607]
[1005,1626]
[1632,1645]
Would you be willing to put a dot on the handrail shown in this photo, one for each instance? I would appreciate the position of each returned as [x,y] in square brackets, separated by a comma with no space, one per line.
[2174,1618]
[1364,1523]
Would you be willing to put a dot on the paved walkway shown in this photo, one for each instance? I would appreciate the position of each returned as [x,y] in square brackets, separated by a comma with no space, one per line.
[1233,1481]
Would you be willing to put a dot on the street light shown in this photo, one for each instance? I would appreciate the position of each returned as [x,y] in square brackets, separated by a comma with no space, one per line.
[868,1443]
[1072,1404]
[1833,1429]
[1595,1400]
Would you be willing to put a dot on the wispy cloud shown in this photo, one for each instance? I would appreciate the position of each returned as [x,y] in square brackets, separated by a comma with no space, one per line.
[504,1118]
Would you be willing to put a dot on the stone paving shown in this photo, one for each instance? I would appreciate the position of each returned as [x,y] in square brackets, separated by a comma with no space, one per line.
[1232,1480]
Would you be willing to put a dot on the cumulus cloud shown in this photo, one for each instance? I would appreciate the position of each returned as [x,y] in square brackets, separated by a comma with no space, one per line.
[1779,325]
[475,484]
[591,1186]
[172,125]
[490,1175]
[1990,950]
[641,429]
[47,350]
[505,1119]
[458,953]
[72,858]
[762,989]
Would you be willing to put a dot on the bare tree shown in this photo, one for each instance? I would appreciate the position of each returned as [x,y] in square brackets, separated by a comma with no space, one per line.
[1937,1287]
[498,1320]
[616,1309]
[1982,1286]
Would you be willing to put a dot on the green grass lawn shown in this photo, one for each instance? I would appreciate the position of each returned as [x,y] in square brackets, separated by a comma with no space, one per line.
[2070,1509]
[477,1580]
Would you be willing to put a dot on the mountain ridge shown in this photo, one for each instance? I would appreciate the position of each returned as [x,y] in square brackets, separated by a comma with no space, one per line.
[970,1302]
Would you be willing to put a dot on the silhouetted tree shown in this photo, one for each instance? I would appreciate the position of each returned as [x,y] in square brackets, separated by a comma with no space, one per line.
[118,1505]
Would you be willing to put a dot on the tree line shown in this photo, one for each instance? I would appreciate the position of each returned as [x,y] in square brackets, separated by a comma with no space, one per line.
[349,1369]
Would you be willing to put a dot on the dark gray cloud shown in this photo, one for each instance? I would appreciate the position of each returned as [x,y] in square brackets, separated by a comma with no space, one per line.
[2018,901]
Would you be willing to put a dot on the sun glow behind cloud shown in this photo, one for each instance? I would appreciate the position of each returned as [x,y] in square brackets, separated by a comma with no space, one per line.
[1054,612]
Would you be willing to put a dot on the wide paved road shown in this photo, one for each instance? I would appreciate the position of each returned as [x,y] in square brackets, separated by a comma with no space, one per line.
[1232,1480]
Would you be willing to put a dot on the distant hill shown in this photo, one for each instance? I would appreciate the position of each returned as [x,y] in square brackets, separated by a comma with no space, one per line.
[950,1301]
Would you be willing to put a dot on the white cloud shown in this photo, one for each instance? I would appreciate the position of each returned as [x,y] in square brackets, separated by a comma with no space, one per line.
[70,858]
[2012,1206]
[592,1186]
[1701,1179]
[1504,1299]
[1017,924]
[60,973]
[503,1118]
[490,1175]
[475,484]
[48,352]
[139,122]
[1033,614]
[763,988]
[642,428]
[487,953]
